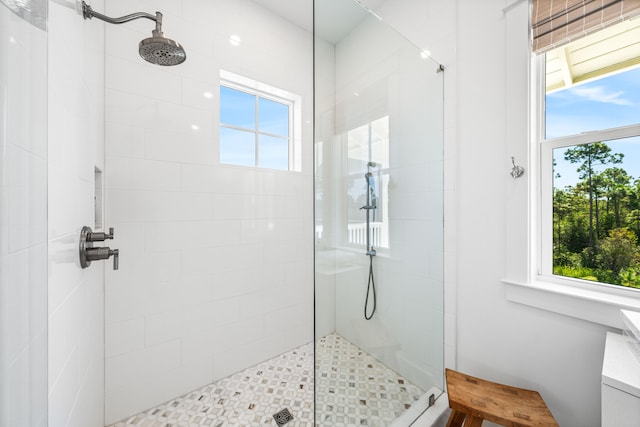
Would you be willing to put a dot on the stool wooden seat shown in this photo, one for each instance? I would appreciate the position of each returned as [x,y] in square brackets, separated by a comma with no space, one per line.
[473,400]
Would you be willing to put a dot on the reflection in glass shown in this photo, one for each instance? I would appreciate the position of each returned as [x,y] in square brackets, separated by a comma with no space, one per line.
[368,143]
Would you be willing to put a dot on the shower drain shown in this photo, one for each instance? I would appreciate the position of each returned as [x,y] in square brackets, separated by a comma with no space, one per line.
[282,417]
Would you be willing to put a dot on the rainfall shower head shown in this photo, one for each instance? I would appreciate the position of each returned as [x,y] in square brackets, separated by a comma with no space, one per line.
[160,50]
[156,49]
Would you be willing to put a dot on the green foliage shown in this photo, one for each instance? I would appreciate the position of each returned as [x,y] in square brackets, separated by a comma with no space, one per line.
[589,257]
[589,156]
[619,250]
[562,257]
[575,272]
[630,277]
[596,223]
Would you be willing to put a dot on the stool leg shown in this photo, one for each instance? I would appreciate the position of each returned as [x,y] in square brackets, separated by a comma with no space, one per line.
[473,421]
[456,419]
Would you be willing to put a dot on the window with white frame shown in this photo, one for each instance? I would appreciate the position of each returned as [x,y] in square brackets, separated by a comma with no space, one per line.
[367,151]
[259,124]
[589,137]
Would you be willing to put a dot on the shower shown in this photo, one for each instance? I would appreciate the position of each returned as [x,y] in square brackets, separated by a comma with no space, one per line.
[218,258]
[370,208]
[156,49]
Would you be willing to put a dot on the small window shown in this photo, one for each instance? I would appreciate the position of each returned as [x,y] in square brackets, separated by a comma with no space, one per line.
[259,126]
[590,158]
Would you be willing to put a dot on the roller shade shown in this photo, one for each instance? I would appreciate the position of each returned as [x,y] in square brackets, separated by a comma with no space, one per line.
[557,22]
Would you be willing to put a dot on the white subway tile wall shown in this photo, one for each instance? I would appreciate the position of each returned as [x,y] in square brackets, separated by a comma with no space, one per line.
[75,138]
[216,270]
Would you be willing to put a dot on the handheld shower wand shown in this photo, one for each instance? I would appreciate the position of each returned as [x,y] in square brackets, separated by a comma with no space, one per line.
[370,208]
[373,199]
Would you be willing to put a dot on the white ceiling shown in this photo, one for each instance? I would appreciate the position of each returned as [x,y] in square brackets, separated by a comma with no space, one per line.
[297,11]
[334,18]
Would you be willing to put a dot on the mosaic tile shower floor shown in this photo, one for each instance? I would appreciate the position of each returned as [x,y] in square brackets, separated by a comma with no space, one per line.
[354,389]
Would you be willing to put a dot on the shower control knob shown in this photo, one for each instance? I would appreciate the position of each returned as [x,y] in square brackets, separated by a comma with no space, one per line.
[100,236]
[88,253]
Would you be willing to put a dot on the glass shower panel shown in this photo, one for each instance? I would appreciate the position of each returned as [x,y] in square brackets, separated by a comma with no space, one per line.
[379,221]
[23,213]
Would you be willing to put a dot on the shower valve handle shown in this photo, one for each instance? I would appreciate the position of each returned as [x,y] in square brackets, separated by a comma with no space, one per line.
[88,253]
[100,236]
[95,254]
[116,258]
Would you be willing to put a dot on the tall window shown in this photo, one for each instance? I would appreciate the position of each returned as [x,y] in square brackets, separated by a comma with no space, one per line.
[368,144]
[257,124]
[590,157]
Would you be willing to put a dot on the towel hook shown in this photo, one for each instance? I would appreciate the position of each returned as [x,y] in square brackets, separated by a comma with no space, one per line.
[516,171]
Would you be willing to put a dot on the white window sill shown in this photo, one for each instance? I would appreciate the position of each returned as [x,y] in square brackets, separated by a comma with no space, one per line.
[593,305]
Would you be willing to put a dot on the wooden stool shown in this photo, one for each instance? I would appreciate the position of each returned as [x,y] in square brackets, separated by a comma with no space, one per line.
[475,400]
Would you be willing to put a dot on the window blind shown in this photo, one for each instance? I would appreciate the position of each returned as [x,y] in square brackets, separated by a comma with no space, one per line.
[557,22]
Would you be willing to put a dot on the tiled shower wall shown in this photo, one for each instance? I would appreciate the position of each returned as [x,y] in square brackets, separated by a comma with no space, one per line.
[216,264]
[76,148]
[23,217]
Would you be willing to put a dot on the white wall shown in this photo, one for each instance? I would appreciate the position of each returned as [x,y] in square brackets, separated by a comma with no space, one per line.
[485,79]
[76,141]
[23,219]
[557,355]
[216,262]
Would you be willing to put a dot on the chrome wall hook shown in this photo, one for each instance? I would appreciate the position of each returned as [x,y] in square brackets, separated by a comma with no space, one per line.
[516,171]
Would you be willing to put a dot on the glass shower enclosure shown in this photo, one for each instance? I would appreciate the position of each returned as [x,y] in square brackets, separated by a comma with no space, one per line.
[378,220]
[23,213]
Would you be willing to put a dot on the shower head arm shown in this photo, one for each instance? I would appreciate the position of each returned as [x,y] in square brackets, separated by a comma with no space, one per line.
[156,49]
[88,13]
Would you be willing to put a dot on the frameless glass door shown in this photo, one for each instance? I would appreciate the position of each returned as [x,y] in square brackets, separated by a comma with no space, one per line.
[379,221]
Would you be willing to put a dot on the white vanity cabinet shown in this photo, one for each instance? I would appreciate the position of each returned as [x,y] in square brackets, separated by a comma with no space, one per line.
[620,382]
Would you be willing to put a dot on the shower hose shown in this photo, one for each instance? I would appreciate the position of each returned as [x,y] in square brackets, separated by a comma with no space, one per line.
[371,286]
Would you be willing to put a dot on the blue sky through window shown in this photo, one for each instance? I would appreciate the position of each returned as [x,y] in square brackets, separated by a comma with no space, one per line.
[605,103]
[238,146]
[273,153]
[274,117]
[239,108]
